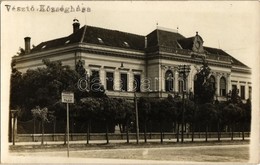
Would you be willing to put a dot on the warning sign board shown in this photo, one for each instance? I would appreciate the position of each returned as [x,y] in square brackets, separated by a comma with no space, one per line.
[67,97]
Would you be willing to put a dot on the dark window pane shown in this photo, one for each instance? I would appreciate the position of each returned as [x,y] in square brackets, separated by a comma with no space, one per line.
[181,86]
[123,81]
[222,86]
[110,81]
[250,92]
[242,92]
[169,81]
[137,83]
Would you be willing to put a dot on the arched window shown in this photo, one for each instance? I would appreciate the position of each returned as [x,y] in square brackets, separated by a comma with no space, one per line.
[212,82]
[222,88]
[181,86]
[168,81]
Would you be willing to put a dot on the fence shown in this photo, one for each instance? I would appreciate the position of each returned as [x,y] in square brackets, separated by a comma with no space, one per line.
[123,136]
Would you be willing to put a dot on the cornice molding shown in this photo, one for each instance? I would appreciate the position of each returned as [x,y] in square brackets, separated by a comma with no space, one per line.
[163,53]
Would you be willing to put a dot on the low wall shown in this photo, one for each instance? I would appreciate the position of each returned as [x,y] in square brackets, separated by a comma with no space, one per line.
[114,136]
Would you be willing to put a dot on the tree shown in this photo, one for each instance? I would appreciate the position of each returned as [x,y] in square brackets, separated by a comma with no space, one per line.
[233,113]
[43,115]
[42,87]
[16,93]
[129,116]
[144,109]
[162,111]
[246,119]
[206,114]
[189,114]
[107,112]
[20,52]
[178,103]
[204,90]
[86,110]
[238,109]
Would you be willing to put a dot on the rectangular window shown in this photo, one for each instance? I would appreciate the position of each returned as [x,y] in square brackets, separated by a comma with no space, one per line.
[123,84]
[250,92]
[110,81]
[137,83]
[242,92]
[95,82]
[95,74]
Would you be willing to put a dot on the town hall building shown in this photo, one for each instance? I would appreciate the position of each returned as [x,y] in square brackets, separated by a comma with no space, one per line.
[146,65]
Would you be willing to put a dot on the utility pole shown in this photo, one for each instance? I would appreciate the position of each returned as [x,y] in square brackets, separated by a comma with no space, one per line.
[136,116]
[184,71]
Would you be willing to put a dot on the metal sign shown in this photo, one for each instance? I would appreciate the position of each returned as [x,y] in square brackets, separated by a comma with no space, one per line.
[67,97]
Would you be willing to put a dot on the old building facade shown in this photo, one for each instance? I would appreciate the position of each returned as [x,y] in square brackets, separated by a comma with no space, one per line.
[146,64]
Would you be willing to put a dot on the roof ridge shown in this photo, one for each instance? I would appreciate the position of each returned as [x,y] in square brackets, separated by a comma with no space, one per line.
[83,35]
[117,31]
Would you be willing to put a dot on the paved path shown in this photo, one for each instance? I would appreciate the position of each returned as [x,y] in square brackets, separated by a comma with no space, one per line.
[153,155]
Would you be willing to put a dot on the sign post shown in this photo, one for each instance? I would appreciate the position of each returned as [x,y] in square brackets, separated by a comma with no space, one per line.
[67,97]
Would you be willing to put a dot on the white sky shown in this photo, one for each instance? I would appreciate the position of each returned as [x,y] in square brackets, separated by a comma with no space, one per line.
[229,25]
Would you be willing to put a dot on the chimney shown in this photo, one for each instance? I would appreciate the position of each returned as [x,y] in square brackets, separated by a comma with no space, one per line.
[197,33]
[76,25]
[27,42]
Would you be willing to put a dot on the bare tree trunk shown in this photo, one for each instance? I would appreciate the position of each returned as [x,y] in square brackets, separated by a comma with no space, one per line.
[42,131]
[243,131]
[65,136]
[145,130]
[127,133]
[72,127]
[206,132]
[177,133]
[232,131]
[161,132]
[88,125]
[192,134]
[107,132]
[199,130]
[218,132]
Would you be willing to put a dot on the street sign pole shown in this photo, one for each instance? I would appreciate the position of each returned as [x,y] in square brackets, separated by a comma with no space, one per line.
[67,97]
[68,131]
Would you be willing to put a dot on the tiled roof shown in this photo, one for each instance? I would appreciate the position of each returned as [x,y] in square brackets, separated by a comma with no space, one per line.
[237,62]
[186,43]
[215,51]
[114,38]
[163,38]
[95,35]
[73,38]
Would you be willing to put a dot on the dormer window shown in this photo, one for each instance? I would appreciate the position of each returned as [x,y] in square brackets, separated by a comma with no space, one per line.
[100,40]
[126,44]
[68,41]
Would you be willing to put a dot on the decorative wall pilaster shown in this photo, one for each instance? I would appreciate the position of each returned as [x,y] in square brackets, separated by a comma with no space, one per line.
[218,75]
[229,85]
[117,80]
[176,76]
